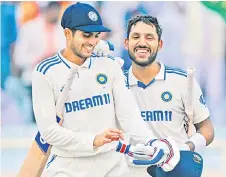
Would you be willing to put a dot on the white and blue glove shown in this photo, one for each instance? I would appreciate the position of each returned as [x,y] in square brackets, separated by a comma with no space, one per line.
[105,49]
[161,152]
[141,153]
[171,154]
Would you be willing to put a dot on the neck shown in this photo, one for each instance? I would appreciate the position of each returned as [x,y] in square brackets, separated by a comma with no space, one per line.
[70,56]
[147,73]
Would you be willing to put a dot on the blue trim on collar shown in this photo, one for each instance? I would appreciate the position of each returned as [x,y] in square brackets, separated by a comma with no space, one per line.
[142,85]
[90,62]
[64,61]
[165,74]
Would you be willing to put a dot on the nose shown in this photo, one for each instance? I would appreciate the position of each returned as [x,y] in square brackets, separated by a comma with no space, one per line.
[142,41]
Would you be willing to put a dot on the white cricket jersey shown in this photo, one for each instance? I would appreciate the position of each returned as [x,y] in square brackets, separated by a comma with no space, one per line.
[97,97]
[162,102]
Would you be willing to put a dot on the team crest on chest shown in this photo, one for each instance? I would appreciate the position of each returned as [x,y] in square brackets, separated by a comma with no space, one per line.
[166,96]
[101,78]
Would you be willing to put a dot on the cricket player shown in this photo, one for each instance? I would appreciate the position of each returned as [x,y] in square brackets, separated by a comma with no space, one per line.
[97,103]
[160,92]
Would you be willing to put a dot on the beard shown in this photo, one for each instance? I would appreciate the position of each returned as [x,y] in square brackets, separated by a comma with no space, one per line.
[78,53]
[150,60]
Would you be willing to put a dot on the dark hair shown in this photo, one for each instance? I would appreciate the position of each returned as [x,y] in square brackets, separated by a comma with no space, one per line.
[73,31]
[148,19]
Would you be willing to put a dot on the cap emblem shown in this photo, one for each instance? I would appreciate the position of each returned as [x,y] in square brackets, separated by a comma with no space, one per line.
[93,16]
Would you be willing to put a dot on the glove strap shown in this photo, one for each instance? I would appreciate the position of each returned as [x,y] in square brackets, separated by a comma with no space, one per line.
[123,148]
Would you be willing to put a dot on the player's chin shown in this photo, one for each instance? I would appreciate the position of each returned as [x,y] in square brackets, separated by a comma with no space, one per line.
[86,55]
[141,60]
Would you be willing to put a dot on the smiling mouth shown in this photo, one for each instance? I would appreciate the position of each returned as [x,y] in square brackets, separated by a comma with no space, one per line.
[88,48]
[142,50]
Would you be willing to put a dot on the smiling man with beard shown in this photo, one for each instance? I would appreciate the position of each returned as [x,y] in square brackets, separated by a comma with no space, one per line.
[160,92]
[145,43]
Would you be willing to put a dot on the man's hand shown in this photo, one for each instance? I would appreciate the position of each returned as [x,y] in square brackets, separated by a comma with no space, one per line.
[107,136]
[103,49]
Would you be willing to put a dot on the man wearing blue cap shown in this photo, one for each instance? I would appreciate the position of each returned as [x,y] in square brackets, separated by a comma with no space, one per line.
[85,144]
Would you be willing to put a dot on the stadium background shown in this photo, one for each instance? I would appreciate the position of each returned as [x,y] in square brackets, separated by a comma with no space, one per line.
[194,34]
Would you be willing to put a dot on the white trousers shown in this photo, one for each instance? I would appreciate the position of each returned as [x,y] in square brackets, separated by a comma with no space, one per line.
[110,164]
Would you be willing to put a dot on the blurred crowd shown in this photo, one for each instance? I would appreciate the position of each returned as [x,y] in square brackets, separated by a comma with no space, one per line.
[194,34]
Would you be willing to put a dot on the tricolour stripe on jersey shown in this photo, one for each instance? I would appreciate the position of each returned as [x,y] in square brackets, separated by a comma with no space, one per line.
[43,62]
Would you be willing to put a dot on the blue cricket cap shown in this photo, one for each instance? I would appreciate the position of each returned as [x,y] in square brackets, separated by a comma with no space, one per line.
[84,17]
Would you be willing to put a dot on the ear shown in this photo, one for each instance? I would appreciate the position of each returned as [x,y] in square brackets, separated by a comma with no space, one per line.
[67,33]
[160,45]
[126,44]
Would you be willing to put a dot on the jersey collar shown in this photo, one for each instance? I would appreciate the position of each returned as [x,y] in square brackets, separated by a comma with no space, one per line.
[132,80]
[86,64]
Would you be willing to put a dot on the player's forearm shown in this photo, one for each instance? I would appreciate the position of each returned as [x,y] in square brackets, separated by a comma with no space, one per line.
[206,129]
[67,139]
[203,137]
